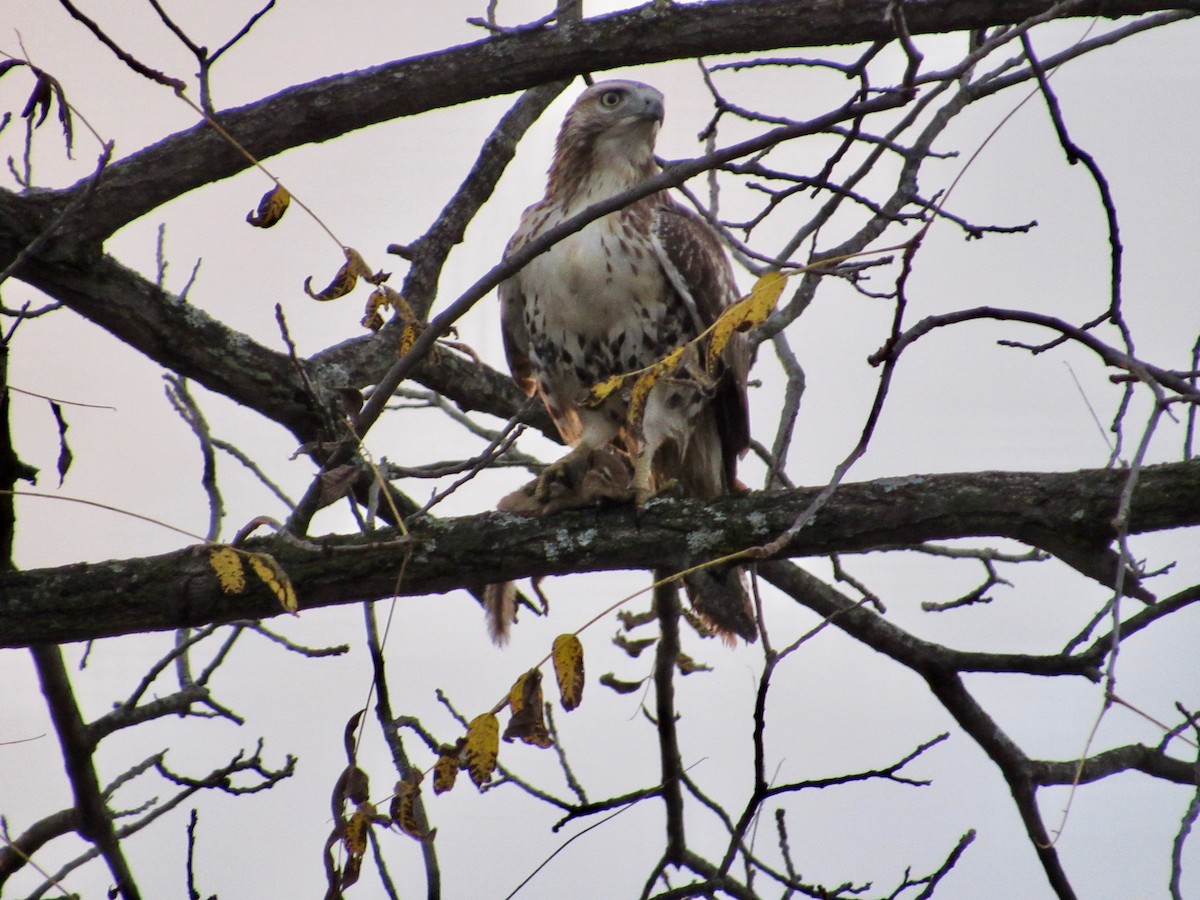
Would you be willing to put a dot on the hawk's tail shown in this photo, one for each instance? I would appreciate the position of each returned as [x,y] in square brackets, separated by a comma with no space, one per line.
[719,595]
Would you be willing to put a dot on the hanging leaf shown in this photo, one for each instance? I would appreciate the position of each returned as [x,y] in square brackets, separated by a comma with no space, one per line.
[271,207]
[271,574]
[337,483]
[64,452]
[347,276]
[642,387]
[482,748]
[687,665]
[632,647]
[445,770]
[748,312]
[404,807]
[372,317]
[353,785]
[567,653]
[348,735]
[227,564]
[609,680]
[528,722]
[357,830]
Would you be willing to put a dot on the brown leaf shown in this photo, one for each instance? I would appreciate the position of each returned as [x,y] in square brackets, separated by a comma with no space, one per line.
[353,785]
[64,452]
[347,276]
[609,680]
[271,207]
[337,483]
[632,647]
[528,722]
[404,806]
[687,665]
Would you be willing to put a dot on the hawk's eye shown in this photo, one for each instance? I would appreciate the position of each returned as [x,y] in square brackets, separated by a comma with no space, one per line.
[610,99]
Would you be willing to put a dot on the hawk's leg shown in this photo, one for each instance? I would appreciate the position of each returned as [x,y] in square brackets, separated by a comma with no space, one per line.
[643,475]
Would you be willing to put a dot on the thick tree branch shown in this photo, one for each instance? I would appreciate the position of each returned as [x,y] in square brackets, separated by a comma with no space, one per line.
[1048,510]
[502,64]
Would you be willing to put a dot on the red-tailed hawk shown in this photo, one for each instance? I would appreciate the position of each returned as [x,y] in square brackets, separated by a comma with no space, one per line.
[619,295]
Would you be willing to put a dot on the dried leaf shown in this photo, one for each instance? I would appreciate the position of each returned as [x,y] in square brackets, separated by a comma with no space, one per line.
[353,785]
[372,317]
[337,483]
[348,735]
[445,770]
[384,298]
[567,654]
[271,207]
[64,452]
[271,574]
[354,838]
[39,99]
[482,748]
[404,806]
[408,337]
[227,564]
[751,310]
[343,282]
[351,872]
[602,391]
[609,680]
[632,647]
[528,722]
[643,386]
[687,665]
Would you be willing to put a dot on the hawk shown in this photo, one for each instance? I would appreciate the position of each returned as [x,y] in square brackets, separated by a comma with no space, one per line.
[619,295]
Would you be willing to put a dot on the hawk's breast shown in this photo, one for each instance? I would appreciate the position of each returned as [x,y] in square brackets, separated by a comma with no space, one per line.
[598,304]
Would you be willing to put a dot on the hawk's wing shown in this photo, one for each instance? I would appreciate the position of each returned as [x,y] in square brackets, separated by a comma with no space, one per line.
[695,262]
[515,332]
[512,320]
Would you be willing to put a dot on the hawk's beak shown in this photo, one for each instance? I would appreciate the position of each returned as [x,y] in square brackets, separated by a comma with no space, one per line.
[653,109]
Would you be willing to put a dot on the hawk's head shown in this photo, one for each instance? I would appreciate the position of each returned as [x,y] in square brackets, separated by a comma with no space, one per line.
[608,135]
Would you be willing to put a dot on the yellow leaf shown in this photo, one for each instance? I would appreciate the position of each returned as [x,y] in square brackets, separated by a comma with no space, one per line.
[445,770]
[527,722]
[227,564]
[567,654]
[748,312]
[357,828]
[382,298]
[643,386]
[272,575]
[404,806]
[601,392]
[482,748]
[347,276]
[271,207]
[372,318]
[408,336]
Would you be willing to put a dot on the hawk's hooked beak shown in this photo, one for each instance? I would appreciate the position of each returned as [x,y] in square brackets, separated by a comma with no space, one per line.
[652,109]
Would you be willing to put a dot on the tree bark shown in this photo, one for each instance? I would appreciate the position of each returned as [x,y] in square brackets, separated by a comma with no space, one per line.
[1068,514]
